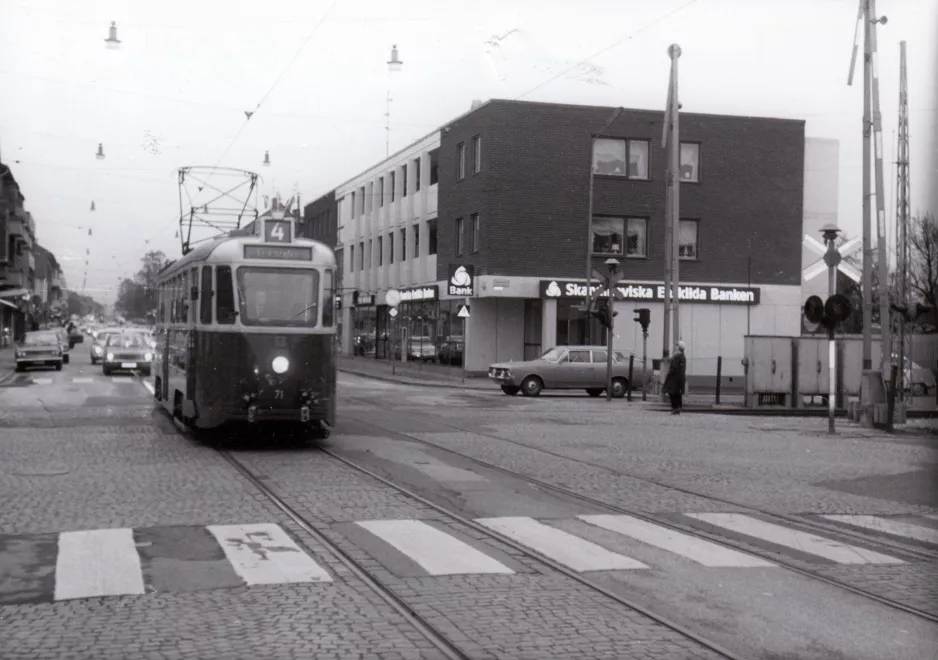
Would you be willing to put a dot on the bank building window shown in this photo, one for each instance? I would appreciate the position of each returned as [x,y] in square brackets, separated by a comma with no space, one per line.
[636,237]
[690,162]
[687,239]
[607,235]
[625,158]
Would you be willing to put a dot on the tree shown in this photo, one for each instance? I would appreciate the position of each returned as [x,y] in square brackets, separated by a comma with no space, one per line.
[136,297]
[82,305]
[922,284]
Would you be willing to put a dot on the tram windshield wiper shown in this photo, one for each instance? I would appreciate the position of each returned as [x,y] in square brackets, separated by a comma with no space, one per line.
[303,311]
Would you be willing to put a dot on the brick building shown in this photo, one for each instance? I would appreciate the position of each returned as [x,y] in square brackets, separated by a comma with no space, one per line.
[492,212]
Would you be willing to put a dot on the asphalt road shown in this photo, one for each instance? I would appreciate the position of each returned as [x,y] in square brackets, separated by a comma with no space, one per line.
[121,537]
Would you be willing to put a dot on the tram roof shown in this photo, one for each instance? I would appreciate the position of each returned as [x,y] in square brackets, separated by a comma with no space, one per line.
[228,249]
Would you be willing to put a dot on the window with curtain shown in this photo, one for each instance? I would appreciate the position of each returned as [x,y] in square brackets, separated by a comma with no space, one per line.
[637,234]
[459,243]
[380,250]
[608,235]
[391,247]
[687,239]
[609,157]
[690,162]
[460,161]
[638,159]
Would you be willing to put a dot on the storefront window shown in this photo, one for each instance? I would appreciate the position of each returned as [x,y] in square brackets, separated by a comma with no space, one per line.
[571,323]
[364,335]
[533,310]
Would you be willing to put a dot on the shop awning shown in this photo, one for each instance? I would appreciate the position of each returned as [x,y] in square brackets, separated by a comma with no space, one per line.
[13,293]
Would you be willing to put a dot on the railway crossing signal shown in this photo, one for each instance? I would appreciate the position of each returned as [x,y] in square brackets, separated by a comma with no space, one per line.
[828,313]
[822,264]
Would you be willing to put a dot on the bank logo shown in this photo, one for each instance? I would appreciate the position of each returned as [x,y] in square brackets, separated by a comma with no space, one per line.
[553,290]
[460,280]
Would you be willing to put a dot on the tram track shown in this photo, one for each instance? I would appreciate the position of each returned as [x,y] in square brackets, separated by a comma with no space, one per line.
[916,553]
[426,629]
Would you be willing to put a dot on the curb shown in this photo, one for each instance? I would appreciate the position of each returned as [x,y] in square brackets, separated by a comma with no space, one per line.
[390,379]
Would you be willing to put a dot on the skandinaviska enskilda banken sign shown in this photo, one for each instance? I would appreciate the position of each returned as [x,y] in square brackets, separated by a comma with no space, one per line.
[715,294]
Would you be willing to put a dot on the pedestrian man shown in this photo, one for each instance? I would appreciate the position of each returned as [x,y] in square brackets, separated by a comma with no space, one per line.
[675,380]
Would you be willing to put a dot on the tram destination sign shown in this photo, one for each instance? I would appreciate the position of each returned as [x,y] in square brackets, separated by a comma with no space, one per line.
[278,252]
[711,294]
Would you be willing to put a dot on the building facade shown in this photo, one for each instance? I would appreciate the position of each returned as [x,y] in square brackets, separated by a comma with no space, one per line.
[17,263]
[485,228]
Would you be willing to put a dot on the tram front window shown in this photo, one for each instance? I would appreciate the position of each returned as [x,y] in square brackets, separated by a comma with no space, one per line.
[278,296]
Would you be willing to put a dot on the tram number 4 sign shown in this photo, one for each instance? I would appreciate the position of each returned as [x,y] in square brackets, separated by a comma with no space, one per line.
[277,231]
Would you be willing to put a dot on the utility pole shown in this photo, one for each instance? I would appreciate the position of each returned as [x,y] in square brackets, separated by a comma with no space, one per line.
[903,198]
[670,139]
[872,390]
[884,311]
[589,220]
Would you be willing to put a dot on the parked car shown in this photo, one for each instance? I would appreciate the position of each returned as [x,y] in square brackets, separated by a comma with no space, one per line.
[42,348]
[65,343]
[97,345]
[566,368]
[918,380]
[127,350]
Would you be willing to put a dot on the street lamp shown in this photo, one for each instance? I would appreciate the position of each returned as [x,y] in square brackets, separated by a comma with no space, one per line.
[100,154]
[613,266]
[112,42]
[394,64]
[266,159]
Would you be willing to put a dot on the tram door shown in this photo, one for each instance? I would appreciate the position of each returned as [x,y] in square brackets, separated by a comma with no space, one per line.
[192,347]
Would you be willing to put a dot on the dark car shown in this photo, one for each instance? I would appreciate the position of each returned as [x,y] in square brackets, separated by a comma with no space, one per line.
[128,350]
[42,348]
[74,336]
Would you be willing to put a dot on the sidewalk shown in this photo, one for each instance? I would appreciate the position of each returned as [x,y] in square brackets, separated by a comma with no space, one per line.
[7,362]
[411,374]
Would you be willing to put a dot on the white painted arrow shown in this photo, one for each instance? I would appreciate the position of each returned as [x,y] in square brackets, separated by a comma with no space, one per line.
[820,266]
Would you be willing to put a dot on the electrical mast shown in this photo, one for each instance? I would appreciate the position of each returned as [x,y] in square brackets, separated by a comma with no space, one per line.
[873,389]
[902,209]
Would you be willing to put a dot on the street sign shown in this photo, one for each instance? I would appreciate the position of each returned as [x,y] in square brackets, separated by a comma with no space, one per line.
[821,265]
[392,312]
[463,312]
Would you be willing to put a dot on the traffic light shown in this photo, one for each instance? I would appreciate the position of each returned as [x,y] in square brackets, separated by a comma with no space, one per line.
[643,317]
[601,310]
[828,314]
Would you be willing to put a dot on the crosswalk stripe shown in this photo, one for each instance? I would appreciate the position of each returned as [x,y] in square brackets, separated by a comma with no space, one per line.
[83,379]
[42,381]
[894,527]
[102,562]
[434,550]
[264,554]
[931,516]
[563,547]
[698,550]
[840,553]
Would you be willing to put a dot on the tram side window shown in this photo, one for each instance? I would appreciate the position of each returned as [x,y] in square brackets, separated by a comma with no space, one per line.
[206,295]
[328,303]
[224,296]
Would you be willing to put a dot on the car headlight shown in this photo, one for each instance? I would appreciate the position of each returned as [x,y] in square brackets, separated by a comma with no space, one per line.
[110,356]
[280,364]
[97,349]
[147,357]
[20,354]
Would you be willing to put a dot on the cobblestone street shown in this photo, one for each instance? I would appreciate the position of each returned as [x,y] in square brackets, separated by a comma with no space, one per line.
[562,527]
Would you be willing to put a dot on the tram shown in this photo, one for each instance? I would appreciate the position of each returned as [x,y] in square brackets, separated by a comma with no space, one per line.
[246,330]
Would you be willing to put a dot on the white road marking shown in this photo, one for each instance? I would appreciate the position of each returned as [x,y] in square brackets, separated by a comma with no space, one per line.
[698,550]
[42,381]
[563,547]
[436,551]
[83,379]
[121,380]
[102,562]
[931,516]
[147,384]
[895,527]
[264,554]
[795,539]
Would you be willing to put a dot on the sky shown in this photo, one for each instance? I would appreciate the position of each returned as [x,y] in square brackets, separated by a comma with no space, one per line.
[314,73]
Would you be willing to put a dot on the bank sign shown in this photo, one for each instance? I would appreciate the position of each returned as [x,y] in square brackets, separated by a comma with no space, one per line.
[461,280]
[693,293]
[420,293]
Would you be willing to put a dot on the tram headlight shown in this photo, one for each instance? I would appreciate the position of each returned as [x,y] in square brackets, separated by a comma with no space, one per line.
[280,364]
[110,357]
[147,357]
[97,350]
